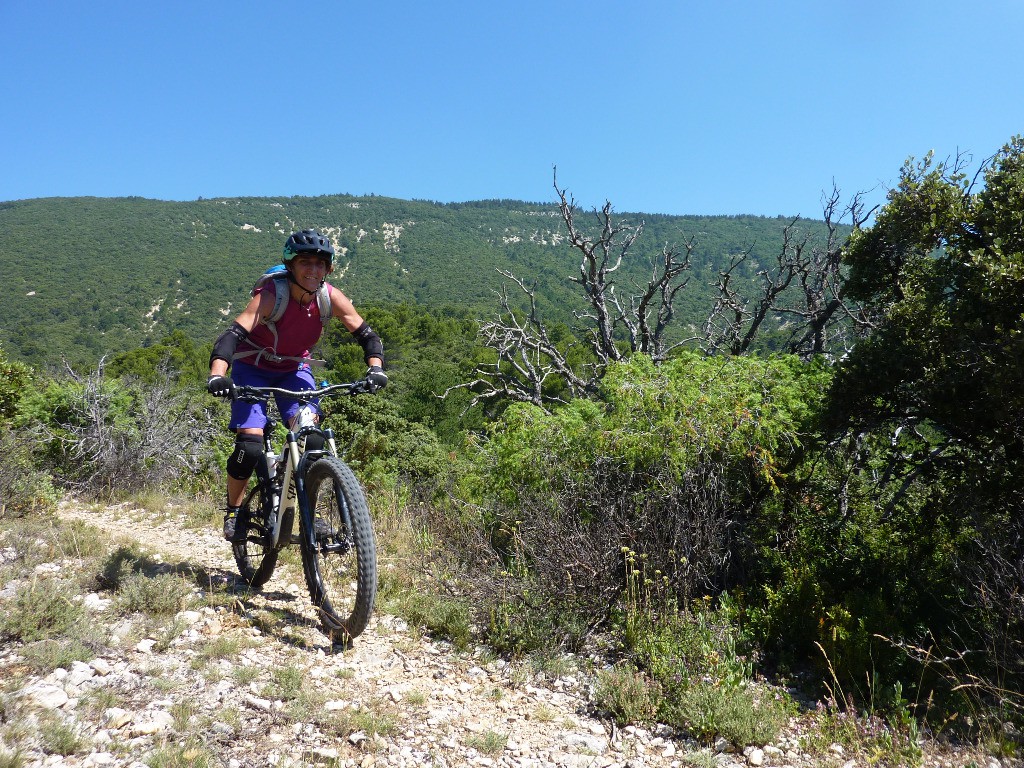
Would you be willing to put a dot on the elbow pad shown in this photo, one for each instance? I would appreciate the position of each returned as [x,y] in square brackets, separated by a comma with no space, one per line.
[369,341]
[225,345]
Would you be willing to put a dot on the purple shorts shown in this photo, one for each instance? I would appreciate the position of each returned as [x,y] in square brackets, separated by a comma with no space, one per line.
[254,415]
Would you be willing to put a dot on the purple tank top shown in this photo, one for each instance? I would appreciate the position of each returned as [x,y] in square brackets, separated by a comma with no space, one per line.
[297,331]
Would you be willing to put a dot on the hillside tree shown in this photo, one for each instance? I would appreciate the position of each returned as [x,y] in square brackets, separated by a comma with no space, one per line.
[935,389]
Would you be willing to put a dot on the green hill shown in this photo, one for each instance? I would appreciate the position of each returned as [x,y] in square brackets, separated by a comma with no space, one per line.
[93,276]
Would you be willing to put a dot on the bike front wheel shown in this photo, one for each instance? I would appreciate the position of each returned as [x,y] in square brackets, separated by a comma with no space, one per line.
[340,558]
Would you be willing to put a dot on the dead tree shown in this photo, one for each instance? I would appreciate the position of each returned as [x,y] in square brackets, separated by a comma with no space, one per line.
[826,323]
[802,290]
[735,320]
[646,315]
[526,358]
[527,362]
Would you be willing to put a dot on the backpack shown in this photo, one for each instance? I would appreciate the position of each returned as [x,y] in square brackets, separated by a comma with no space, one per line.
[278,274]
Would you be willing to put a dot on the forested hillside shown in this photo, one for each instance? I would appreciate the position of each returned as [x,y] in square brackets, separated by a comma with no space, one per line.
[93,276]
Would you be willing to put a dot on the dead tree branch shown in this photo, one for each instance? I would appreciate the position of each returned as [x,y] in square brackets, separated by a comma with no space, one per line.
[803,289]
[529,367]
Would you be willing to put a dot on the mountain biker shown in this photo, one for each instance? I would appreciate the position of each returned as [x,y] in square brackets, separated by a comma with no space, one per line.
[276,354]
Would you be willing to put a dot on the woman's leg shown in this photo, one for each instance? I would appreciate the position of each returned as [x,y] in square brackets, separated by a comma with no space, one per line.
[247,422]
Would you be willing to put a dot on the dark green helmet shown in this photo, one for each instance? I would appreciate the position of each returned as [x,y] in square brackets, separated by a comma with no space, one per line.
[308,241]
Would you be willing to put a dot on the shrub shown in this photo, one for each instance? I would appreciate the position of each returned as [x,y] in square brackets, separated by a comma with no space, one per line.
[490,743]
[120,564]
[672,465]
[524,623]
[15,378]
[385,448]
[109,436]
[627,695]
[444,617]
[78,539]
[54,653]
[705,683]
[188,755]
[162,595]
[60,738]
[24,489]
[741,714]
[38,611]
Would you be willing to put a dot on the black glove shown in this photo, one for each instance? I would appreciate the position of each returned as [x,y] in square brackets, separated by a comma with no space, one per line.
[219,386]
[376,378]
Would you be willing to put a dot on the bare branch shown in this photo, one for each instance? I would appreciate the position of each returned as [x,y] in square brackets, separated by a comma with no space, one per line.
[805,286]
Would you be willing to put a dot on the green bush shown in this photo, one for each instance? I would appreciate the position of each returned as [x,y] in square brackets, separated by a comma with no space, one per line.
[58,737]
[842,562]
[161,595]
[24,489]
[705,684]
[522,623]
[627,695]
[673,466]
[743,715]
[15,378]
[442,616]
[384,448]
[117,567]
[54,653]
[39,611]
[108,436]
[677,647]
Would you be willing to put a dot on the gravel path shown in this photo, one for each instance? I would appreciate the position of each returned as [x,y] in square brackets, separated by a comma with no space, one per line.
[227,687]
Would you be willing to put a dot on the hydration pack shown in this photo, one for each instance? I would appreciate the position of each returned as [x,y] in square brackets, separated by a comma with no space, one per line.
[278,274]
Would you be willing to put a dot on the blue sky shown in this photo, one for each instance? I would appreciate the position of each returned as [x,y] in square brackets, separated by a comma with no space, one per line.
[658,106]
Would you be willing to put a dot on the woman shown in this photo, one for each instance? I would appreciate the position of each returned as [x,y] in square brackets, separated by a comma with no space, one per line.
[275,353]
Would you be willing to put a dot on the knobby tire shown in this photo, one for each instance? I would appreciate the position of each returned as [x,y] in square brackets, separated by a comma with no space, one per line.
[255,560]
[341,564]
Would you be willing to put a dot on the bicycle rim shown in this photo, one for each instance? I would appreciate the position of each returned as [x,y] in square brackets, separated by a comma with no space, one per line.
[341,566]
[255,560]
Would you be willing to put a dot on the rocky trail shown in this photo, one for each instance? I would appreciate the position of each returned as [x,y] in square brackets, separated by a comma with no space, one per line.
[221,686]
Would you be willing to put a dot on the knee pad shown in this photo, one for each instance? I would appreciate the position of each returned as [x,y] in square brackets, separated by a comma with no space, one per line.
[315,443]
[248,452]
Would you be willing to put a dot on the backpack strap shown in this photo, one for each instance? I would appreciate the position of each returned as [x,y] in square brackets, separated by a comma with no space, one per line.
[323,301]
[266,354]
[282,293]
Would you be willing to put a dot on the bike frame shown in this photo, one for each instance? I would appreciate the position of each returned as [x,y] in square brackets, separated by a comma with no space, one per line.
[294,460]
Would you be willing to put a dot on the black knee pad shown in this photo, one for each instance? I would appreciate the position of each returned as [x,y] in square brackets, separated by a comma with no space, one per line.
[248,452]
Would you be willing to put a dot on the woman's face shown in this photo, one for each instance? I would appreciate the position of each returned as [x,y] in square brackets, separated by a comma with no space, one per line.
[308,270]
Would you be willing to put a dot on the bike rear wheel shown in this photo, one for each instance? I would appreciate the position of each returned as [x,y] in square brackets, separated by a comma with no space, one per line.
[340,559]
[254,558]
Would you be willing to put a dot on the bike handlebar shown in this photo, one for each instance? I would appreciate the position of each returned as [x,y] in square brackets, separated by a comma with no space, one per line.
[256,394]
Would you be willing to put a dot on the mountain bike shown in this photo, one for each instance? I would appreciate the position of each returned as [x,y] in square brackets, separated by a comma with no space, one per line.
[308,484]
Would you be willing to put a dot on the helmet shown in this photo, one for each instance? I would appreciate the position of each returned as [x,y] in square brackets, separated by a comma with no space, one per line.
[308,241]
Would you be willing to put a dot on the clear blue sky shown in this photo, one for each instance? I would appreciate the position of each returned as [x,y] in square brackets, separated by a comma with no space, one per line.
[676,107]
